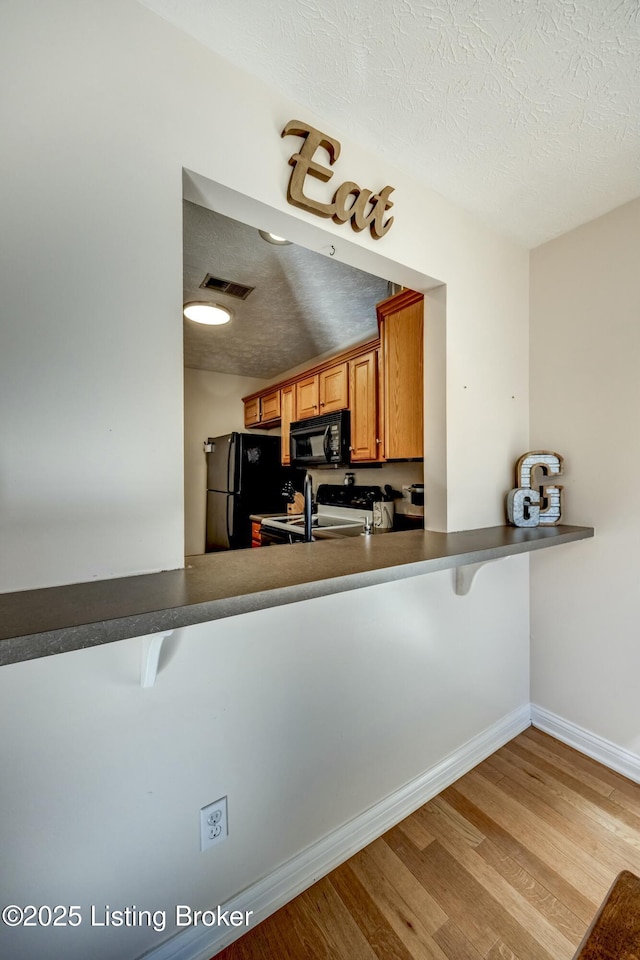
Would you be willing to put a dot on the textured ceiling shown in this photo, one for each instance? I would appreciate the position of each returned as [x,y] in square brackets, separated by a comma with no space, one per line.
[525,112]
[303,305]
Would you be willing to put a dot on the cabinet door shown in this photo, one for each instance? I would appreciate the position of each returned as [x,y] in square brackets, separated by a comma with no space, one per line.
[334,388]
[252,412]
[270,408]
[401,341]
[288,413]
[307,397]
[363,374]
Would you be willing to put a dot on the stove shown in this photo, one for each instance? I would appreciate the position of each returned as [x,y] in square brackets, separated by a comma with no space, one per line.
[339,507]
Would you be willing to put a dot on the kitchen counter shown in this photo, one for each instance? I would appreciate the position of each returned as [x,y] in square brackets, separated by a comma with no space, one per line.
[39,623]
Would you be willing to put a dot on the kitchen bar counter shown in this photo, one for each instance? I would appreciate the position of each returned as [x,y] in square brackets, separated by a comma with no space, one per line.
[39,623]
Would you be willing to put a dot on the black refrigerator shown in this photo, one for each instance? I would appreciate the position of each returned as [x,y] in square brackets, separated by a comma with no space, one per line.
[244,476]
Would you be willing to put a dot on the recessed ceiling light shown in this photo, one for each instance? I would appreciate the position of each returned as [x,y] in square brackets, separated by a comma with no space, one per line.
[273,238]
[211,313]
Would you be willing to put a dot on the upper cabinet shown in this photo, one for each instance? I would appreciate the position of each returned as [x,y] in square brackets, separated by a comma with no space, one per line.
[263,411]
[252,412]
[365,440]
[307,397]
[270,407]
[334,388]
[380,382]
[401,323]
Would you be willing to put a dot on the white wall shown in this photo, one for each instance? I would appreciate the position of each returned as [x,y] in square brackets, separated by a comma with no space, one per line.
[212,406]
[107,103]
[302,727]
[585,397]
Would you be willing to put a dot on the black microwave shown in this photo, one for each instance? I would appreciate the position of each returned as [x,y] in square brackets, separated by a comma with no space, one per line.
[323,440]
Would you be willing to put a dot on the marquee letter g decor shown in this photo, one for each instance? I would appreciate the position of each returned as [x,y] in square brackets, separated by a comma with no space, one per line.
[534,501]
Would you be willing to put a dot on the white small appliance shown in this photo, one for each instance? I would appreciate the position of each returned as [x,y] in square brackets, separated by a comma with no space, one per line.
[383,511]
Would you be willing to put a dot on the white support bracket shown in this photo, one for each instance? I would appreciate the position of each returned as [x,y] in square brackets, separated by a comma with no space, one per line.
[465,575]
[151,650]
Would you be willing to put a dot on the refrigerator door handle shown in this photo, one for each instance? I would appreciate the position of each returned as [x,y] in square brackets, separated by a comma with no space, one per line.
[234,480]
[239,455]
[229,519]
[231,460]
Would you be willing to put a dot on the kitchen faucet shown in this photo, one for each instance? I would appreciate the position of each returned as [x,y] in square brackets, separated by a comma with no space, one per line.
[308,508]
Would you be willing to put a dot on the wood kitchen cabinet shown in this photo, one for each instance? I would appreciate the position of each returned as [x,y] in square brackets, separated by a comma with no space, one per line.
[263,411]
[270,407]
[288,415]
[252,412]
[256,538]
[307,397]
[320,389]
[401,322]
[334,388]
[363,376]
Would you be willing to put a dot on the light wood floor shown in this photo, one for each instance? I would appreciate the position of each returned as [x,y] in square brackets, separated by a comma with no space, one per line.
[510,863]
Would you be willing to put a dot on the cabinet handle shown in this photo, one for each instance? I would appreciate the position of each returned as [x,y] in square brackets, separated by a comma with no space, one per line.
[378,441]
[322,404]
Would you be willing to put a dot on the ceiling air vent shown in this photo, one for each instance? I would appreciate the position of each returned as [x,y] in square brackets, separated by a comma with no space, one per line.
[237,290]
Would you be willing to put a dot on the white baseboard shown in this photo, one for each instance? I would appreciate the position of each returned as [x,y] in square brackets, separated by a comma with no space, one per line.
[605,752]
[291,878]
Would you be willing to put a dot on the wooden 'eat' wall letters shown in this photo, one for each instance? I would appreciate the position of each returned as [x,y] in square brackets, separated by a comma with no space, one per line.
[303,164]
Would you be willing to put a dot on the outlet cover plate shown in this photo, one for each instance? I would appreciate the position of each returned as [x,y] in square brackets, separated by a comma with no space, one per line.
[214,827]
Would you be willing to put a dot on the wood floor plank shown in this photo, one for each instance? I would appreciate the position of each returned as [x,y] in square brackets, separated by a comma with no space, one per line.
[439,817]
[629,802]
[487,770]
[624,785]
[501,951]
[404,921]
[454,944]
[416,832]
[542,899]
[581,795]
[549,878]
[480,896]
[564,856]
[301,934]
[510,863]
[508,895]
[604,809]
[264,942]
[602,833]
[598,777]
[564,772]
[457,899]
[414,894]
[380,935]
[342,932]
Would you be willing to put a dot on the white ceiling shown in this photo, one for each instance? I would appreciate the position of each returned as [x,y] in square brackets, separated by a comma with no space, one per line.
[525,112]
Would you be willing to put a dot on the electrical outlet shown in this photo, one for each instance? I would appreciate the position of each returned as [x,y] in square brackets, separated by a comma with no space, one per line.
[213,823]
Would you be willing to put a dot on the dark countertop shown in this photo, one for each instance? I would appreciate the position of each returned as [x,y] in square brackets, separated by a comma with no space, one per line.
[39,623]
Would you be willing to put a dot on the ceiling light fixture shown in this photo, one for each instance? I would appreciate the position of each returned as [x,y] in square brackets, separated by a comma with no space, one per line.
[273,238]
[212,313]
